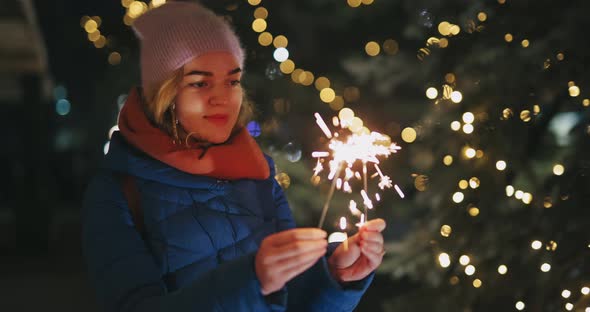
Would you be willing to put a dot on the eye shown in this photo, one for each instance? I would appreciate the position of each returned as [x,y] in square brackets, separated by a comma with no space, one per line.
[200,84]
[234,83]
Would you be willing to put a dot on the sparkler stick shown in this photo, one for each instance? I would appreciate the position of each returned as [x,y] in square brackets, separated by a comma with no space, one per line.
[365,186]
[330,194]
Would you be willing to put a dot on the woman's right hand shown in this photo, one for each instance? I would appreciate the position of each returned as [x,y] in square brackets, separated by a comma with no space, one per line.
[284,255]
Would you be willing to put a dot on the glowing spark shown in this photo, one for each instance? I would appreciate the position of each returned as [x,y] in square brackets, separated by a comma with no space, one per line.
[385,181]
[343,223]
[399,191]
[335,121]
[318,168]
[348,174]
[361,147]
[353,208]
[347,188]
[377,196]
[362,222]
[332,173]
[367,201]
[320,154]
[320,121]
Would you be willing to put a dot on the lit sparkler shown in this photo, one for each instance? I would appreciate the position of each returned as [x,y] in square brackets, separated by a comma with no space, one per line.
[362,146]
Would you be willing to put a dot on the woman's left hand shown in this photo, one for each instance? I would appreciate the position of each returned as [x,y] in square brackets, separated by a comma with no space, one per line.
[365,253]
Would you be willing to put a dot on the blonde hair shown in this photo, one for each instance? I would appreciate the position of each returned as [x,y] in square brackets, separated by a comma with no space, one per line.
[157,105]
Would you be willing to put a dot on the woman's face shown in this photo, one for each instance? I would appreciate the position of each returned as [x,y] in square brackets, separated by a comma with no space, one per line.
[209,97]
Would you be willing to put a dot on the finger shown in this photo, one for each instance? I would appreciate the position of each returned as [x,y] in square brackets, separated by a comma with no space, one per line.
[295,248]
[375,237]
[372,247]
[285,237]
[276,271]
[298,261]
[373,258]
[375,225]
[294,271]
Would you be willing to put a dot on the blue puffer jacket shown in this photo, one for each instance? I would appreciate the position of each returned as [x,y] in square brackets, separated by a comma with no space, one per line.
[201,238]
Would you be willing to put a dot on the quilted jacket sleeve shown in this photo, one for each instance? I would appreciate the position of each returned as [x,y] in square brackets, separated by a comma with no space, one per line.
[126,277]
[316,289]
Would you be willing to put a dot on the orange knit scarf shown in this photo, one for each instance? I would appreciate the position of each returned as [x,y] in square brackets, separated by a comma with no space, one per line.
[238,158]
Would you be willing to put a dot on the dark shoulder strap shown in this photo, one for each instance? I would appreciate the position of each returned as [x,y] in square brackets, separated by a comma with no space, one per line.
[132,196]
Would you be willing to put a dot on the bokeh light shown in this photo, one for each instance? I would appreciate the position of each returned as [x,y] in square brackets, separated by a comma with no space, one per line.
[372,48]
[409,135]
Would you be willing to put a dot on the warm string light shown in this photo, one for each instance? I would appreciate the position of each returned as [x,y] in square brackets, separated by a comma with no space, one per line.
[303,77]
[91,25]
[287,66]
[444,260]
[447,29]
[358,3]
[467,127]
[527,197]
[133,9]
[447,93]
[445,230]
[470,270]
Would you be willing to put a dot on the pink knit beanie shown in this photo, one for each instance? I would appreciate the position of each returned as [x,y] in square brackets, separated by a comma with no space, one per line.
[175,33]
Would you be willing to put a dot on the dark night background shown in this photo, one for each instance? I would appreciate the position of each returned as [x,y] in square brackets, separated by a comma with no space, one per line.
[520,65]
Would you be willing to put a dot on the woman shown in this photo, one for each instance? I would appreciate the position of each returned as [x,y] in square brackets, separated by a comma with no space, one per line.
[186,214]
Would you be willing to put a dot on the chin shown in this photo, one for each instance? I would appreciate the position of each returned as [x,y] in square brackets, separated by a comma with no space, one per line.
[218,139]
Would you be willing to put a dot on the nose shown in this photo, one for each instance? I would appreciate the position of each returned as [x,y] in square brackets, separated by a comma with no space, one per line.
[219,96]
[216,100]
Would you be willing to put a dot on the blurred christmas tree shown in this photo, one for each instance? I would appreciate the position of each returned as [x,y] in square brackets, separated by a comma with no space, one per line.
[491,97]
[488,100]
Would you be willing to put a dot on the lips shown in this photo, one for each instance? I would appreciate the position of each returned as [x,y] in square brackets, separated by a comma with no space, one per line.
[218,119]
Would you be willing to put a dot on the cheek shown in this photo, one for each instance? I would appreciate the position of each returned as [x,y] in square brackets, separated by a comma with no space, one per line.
[236,100]
[187,107]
